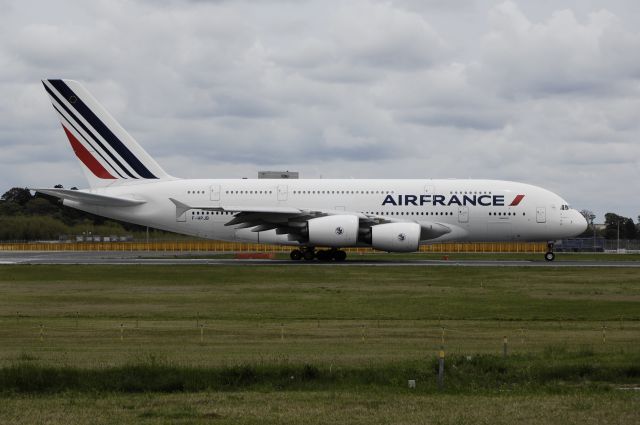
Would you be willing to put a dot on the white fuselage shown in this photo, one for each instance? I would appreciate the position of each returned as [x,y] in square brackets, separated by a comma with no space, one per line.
[474,210]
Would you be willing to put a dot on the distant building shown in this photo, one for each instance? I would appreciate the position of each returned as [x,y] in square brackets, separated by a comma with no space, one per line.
[277,174]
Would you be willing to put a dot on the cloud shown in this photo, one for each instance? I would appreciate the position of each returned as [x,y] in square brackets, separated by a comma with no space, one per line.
[559,56]
[540,92]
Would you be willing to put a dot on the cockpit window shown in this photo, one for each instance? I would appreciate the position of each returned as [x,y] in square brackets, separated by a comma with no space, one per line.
[564,207]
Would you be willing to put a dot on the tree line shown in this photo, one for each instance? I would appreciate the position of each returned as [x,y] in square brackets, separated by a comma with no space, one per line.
[615,226]
[26,217]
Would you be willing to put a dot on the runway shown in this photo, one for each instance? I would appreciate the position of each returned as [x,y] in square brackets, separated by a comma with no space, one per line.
[179,258]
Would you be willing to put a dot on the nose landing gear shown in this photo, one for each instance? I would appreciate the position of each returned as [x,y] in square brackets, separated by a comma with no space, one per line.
[549,255]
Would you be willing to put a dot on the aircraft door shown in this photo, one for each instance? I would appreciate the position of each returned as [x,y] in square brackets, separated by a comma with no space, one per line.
[463,214]
[214,192]
[283,192]
[541,215]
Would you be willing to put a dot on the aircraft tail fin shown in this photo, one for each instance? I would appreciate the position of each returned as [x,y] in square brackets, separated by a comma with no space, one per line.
[108,154]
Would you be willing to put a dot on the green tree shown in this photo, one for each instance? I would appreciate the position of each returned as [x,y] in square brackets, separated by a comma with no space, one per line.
[40,206]
[630,231]
[17,195]
[30,228]
[615,222]
[10,208]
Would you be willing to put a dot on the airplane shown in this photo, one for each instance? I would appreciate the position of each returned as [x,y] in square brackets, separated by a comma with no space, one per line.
[393,215]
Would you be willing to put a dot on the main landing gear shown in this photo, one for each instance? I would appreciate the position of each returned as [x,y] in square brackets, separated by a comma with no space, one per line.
[310,254]
[549,255]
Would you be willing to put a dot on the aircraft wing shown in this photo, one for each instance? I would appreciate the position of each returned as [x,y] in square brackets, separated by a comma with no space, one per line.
[91,198]
[290,220]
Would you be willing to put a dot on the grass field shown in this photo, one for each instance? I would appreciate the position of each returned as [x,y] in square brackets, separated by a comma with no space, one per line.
[322,407]
[356,333]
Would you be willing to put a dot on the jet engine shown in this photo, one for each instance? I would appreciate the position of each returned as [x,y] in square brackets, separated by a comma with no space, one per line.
[333,230]
[396,237]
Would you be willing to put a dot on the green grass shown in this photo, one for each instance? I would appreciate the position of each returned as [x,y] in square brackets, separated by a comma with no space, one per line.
[464,375]
[322,407]
[110,315]
[350,337]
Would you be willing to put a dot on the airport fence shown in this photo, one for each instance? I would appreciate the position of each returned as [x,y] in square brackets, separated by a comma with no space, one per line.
[220,246]
[623,245]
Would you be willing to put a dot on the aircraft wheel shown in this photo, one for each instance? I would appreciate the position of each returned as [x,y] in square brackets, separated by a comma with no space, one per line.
[549,256]
[309,255]
[296,255]
[324,255]
[339,255]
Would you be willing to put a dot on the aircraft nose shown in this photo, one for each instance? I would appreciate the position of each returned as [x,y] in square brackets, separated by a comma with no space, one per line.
[579,223]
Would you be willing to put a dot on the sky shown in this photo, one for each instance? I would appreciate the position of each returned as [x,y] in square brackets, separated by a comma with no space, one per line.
[542,92]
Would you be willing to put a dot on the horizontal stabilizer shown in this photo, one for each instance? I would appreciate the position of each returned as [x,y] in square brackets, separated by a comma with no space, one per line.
[91,198]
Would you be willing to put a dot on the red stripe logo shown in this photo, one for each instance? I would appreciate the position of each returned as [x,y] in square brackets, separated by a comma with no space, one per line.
[516,200]
[87,159]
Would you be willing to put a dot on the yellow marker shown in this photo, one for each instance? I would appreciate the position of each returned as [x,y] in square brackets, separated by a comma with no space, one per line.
[441,354]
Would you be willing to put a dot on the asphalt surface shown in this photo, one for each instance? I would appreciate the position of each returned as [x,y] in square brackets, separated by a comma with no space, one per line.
[169,258]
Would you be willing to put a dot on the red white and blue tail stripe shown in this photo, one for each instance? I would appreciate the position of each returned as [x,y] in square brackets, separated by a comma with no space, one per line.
[109,154]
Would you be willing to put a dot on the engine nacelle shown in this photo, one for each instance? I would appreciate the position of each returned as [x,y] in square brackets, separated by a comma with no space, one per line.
[333,230]
[396,237]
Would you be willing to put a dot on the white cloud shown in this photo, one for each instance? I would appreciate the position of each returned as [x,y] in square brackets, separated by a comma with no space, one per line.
[558,56]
